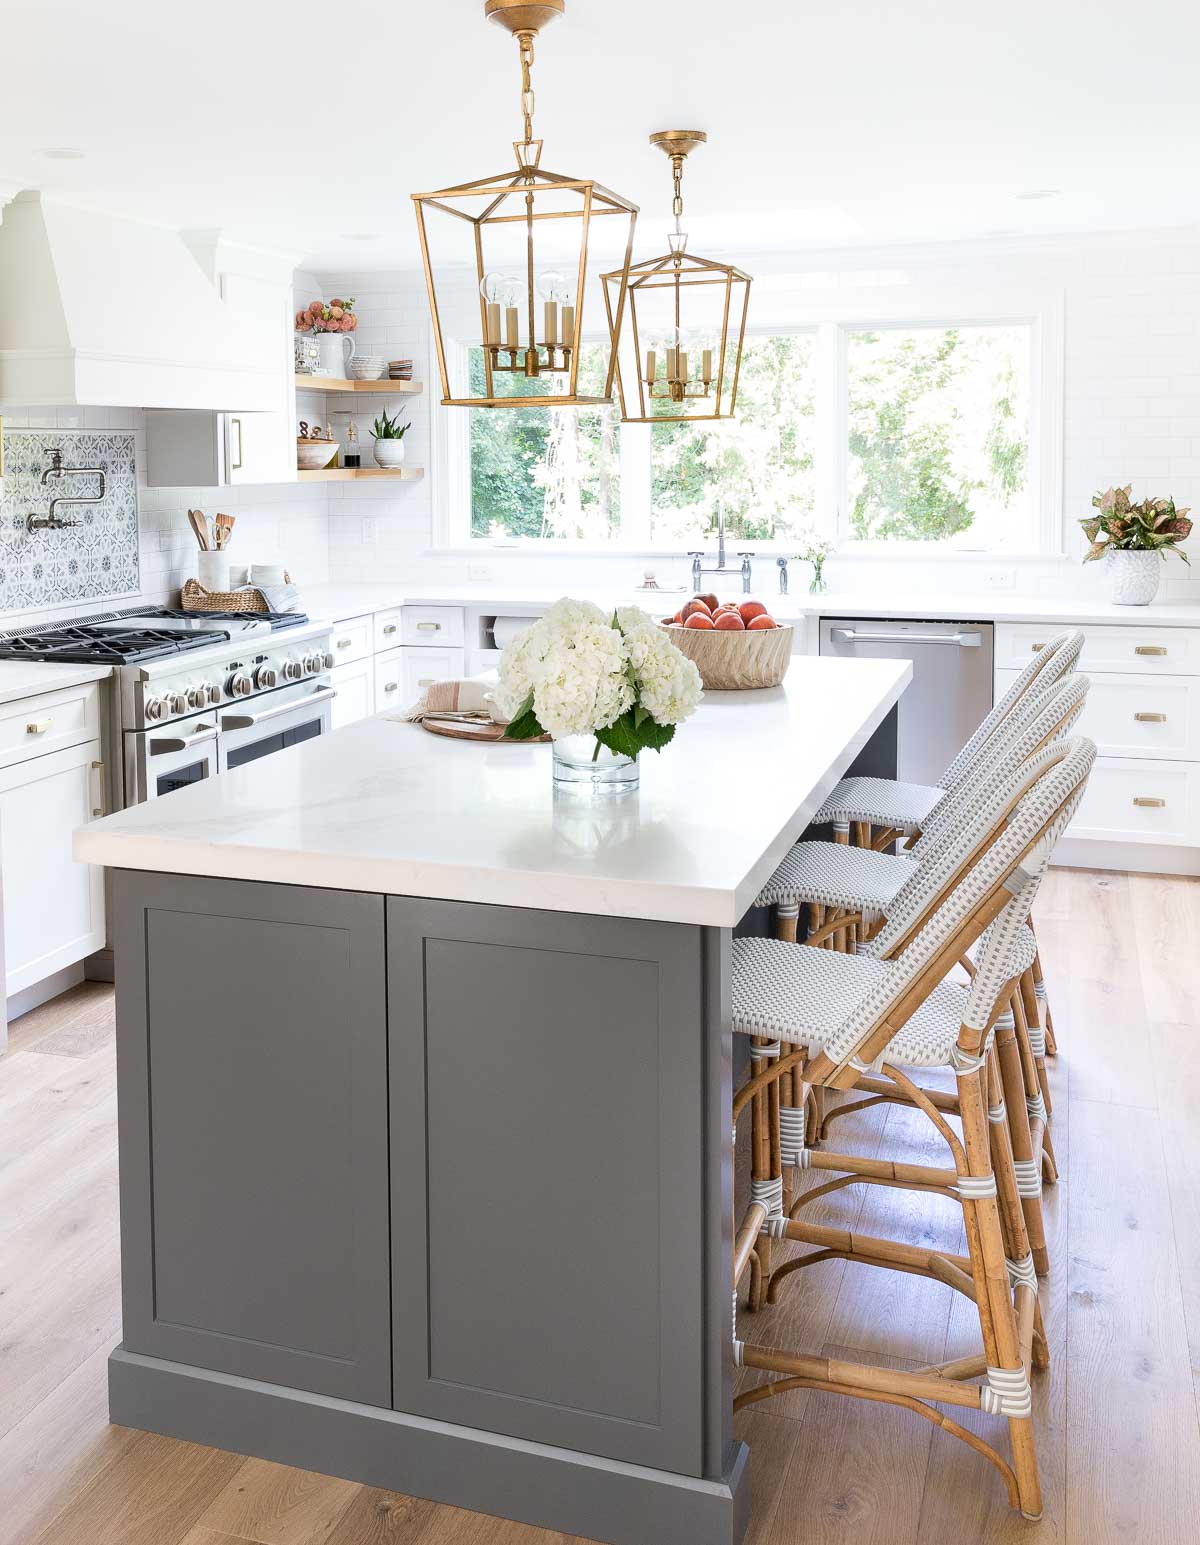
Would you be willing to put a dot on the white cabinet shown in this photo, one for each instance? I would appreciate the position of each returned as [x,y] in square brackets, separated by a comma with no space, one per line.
[355,687]
[389,681]
[53,907]
[422,667]
[353,639]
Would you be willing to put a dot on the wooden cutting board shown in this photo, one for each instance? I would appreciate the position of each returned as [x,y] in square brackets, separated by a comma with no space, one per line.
[456,729]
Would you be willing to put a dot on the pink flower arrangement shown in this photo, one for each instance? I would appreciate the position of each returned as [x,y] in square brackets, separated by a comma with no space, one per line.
[336,317]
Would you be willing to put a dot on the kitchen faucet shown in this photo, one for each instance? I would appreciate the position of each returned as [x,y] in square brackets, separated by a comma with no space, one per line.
[698,569]
[50,521]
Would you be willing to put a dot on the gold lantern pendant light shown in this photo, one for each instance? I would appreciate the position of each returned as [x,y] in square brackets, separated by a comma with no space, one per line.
[679,354]
[530,312]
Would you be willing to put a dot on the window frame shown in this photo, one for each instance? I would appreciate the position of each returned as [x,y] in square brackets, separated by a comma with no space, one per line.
[831,317]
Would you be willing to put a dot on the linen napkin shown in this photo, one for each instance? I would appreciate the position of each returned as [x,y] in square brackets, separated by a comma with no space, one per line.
[472,695]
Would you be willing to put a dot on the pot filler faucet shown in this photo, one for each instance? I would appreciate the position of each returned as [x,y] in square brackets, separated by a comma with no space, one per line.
[698,569]
[50,521]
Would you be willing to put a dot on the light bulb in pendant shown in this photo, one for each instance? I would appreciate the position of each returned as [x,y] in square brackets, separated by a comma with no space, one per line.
[557,306]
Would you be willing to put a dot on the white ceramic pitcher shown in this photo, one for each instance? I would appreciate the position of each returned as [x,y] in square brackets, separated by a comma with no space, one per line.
[336,351]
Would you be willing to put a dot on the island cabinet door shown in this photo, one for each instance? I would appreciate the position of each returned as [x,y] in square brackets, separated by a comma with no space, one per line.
[251,1042]
[550,1219]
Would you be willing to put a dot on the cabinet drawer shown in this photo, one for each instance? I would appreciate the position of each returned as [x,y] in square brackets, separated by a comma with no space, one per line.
[353,639]
[426,625]
[1138,715]
[34,726]
[387,629]
[1141,801]
[1163,651]
[401,675]
[355,687]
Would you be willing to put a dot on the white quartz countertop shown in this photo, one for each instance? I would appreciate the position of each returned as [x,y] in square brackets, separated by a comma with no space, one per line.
[383,806]
[20,679]
[335,602]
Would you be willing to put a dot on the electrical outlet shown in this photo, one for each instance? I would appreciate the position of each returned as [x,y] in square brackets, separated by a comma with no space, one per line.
[368,530]
[479,571]
[998,579]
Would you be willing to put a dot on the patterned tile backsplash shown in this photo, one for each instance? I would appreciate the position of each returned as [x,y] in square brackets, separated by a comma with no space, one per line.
[94,560]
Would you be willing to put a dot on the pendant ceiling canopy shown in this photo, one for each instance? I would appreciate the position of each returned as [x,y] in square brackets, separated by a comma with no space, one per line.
[678,321]
[524,235]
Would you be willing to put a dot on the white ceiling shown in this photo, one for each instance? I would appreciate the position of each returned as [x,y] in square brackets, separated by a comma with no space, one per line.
[301,125]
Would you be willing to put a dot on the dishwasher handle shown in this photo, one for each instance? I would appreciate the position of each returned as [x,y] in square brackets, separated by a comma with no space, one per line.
[962,640]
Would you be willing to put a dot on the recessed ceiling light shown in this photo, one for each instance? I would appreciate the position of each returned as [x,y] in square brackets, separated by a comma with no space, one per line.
[1036,193]
[61,153]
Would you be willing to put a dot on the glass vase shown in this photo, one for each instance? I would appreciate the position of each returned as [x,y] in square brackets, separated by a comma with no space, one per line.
[581,763]
[817,584]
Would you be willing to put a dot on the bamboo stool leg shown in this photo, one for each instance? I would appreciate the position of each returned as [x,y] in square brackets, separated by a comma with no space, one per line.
[766,1171]
[1026,1163]
[1033,1070]
[1021,1267]
[1007,1392]
[787,921]
[1031,1034]
[1047,1019]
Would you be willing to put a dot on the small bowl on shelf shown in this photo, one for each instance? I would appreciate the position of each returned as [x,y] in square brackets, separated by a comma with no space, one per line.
[737,660]
[316,455]
[367,367]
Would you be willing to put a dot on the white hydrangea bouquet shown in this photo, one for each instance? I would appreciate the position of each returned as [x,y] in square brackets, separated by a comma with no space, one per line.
[578,671]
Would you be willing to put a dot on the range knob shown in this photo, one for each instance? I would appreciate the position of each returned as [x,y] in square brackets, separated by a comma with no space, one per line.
[265,677]
[154,708]
[212,692]
[292,669]
[238,685]
[327,661]
[312,663]
[197,696]
[177,702]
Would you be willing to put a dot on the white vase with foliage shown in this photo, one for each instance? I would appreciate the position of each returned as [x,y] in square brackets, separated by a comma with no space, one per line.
[389,440]
[1134,540]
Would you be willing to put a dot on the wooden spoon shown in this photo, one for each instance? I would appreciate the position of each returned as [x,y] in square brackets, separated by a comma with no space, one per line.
[224,532]
[200,527]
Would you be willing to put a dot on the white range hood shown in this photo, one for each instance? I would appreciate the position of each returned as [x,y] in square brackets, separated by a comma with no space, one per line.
[103,311]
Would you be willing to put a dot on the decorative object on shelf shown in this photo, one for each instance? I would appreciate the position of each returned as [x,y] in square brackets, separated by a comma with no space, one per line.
[389,440]
[531,315]
[400,369]
[680,338]
[366,367]
[351,456]
[603,688]
[1134,539]
[308,355]
[315,448]
[814,549]
[336,317]
[736,647]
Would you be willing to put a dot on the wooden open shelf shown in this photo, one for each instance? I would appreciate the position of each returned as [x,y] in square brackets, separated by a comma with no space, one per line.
[349,474]
[375,388]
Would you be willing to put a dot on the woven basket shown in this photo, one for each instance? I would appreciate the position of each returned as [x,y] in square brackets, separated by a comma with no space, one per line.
[735,661]
[195,598]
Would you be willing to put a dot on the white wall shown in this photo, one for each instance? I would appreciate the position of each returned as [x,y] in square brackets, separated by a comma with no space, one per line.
[276,523]
[1131,400]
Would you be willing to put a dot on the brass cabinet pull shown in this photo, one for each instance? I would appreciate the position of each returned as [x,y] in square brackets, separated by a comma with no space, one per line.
[391,686]
[38,726]
[429,627]
[344,643]
[1145,802]
[1149,649]
[391,628]
[1035,648]
[425,681]
[1150,718]
[98,767]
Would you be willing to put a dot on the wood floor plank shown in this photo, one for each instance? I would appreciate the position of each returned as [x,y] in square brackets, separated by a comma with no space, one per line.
[1103,983]
[857,1472]
[75,1024]
[276,1505]
[202,1536]
[1133,1471]
[151,1495]
[377,1517]
[772,1440]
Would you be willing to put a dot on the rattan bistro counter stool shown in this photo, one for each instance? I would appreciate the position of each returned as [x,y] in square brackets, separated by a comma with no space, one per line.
[845,1015]
[865,888]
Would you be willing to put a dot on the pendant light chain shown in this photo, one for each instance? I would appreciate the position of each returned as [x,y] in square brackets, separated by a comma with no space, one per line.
[525,41]
[677,201]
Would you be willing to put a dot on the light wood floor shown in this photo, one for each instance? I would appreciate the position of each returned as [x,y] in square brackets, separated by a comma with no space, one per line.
[1120,1445]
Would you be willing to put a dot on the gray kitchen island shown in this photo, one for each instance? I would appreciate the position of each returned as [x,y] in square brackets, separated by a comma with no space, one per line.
[425,1090]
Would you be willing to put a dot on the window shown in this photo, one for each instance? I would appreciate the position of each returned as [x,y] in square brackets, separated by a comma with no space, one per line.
[896,430]
[937,435]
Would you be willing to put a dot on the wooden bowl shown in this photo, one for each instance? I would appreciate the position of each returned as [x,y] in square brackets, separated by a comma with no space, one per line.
[735,661]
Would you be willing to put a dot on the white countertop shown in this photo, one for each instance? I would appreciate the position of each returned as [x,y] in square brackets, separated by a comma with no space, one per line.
[382,806]
[334,602]
[19,678]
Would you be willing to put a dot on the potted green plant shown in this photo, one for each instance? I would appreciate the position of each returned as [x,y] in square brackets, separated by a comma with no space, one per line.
[389,440]
[1133,539]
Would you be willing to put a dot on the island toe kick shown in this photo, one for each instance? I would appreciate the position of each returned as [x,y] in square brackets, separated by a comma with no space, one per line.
[432,1196]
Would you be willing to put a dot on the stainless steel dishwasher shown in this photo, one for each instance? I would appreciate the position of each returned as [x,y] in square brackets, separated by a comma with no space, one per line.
[951,688]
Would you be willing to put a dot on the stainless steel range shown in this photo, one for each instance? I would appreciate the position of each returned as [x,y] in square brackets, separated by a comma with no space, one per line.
[194,694]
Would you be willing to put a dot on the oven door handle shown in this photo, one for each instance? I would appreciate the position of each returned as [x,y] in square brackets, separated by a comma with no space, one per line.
[853,636]
[247,721]
[206,732]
